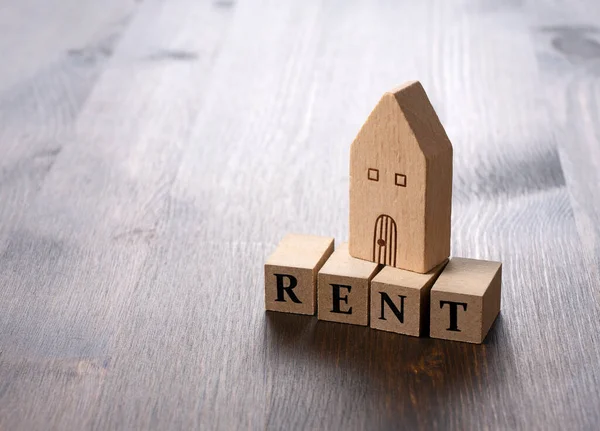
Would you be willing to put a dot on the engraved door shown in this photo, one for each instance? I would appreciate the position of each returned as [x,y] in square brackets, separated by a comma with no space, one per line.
[385,240]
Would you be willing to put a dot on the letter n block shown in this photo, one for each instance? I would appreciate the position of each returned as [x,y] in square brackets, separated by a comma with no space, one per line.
[291,273]
[465,300]
[343,288]
[400,300]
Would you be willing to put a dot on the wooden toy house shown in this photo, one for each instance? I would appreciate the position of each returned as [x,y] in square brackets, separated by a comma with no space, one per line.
[401,184]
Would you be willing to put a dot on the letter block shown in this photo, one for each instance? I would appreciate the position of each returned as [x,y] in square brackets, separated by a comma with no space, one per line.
[291,273]
[465,300]
[343,288]
[400,300]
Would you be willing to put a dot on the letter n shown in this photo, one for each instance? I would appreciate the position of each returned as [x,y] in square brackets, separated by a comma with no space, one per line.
[398,311]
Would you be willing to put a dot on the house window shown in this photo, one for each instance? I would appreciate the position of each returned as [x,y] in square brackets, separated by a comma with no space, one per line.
[401,180]
[373,174]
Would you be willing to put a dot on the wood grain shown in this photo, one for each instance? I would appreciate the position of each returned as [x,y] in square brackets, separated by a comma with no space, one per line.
[49,75]
[76,256]
[131,265]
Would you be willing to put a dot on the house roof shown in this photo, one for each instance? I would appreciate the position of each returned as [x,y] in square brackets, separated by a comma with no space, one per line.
[422,118]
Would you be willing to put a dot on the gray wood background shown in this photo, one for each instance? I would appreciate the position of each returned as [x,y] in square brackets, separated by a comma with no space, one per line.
[153,153]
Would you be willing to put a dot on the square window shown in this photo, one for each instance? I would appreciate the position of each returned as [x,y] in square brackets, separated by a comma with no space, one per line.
[373,174]
[401,180]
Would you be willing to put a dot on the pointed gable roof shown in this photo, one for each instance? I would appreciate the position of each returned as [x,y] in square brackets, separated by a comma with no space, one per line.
[422,118]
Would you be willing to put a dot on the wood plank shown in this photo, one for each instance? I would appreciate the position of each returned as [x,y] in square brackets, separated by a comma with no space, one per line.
[567,51]
[54,56]
[72,263]
[201,238]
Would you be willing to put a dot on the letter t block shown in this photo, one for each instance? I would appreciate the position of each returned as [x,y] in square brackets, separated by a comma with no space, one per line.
[291,273]
[465,300]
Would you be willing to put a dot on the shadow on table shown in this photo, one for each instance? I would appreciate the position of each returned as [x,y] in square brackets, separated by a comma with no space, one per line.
[395,374]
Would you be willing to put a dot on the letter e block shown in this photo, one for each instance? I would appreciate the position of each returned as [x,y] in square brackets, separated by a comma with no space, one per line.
[291,273]
[465,300]
[343,288]
[400,300]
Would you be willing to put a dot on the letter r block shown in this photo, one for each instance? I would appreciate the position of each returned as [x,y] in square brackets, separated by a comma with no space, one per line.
[465,300]
[400,300]
[291,273]
[343,288]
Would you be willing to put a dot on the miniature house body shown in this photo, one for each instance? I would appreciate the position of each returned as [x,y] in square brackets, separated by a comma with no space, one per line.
[401,184]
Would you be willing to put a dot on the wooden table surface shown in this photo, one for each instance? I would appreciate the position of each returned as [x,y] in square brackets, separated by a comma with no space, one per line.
[153,153]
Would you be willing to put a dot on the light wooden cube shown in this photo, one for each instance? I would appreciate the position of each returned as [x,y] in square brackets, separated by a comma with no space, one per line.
[400,300]
[343,288]
[465,300]
[291,273]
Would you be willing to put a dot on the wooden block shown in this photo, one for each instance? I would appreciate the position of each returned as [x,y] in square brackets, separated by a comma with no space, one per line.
[291,273]
[401,184]
[465,300]
[400,300]
[343,288]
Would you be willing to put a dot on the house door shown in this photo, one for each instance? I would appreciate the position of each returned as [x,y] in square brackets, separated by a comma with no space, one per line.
[385,240]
